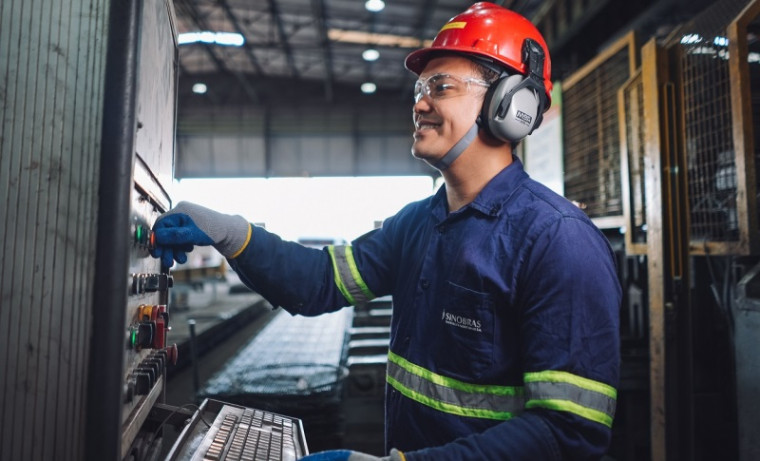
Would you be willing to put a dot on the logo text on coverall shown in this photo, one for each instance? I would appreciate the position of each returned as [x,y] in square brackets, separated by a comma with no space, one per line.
[461,321]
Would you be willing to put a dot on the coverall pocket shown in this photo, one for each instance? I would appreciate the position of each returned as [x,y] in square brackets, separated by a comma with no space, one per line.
[466,334]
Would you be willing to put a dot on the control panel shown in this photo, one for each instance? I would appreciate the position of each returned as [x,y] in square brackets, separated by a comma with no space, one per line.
[147,340]
[147,344]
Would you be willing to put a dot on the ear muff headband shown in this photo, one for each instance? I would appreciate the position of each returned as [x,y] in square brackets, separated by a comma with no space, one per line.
[514,105]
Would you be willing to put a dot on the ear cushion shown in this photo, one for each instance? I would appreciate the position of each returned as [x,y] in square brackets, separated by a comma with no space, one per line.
[521,113]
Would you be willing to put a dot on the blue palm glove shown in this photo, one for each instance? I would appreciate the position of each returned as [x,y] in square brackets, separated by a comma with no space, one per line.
[349,455]
[179,230]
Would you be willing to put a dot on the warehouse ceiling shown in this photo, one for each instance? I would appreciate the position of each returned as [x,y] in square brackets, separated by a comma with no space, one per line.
[306,47]
[311,50]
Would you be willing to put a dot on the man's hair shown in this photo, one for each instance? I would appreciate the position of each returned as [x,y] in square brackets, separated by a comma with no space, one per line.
[486,73]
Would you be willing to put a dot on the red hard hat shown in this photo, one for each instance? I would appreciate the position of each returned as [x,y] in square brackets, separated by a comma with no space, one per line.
[488,31]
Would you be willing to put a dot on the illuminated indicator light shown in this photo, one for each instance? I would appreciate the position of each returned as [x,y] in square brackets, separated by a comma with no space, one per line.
[138,233]
[152,239]
[134,337]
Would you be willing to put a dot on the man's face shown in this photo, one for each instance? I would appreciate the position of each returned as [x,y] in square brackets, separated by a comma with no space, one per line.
[442,118]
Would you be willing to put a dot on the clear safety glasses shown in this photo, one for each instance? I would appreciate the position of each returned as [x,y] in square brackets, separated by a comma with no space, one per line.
[441,86]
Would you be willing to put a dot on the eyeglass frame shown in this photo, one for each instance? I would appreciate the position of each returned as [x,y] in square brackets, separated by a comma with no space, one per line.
[421,86]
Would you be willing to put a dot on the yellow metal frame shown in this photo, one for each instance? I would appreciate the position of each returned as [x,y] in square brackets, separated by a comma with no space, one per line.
[654,74]
[633,85]
[743,131]
[630,41]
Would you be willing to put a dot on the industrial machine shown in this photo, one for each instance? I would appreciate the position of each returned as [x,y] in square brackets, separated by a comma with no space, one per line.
[236,432]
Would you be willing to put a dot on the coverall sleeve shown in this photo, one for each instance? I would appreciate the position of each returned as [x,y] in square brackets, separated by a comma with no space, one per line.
[569,298]
[289,275]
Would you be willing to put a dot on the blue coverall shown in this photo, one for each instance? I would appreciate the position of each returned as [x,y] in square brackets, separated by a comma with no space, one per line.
[504,336]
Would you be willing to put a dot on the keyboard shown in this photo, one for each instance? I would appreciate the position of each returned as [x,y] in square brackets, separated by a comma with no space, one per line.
[241,434]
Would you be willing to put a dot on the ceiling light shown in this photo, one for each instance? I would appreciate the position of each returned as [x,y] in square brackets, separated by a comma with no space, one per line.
[374,5]
[720,41]
[368,88]
[199,88]
[373,39]
[370,54]
[691,39]
[218,38]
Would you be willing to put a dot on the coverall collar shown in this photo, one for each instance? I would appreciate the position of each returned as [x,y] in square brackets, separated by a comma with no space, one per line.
[491,199]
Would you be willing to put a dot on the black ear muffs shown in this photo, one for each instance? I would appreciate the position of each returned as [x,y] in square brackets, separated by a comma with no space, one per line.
[513,106]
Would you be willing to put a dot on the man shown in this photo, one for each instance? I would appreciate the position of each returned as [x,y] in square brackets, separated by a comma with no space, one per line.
[504,339]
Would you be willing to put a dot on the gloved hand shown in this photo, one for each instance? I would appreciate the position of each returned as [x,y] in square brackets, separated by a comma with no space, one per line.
[349,455]
[188,224]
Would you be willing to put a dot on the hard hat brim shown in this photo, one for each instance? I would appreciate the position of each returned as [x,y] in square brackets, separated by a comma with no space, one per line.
[417,60]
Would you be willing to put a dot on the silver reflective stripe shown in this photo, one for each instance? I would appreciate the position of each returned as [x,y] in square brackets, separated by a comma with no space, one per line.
[562,391]
[347,276]
[565,391]
[452,396]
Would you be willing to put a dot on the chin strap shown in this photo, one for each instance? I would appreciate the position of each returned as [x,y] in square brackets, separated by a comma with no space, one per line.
[457,149]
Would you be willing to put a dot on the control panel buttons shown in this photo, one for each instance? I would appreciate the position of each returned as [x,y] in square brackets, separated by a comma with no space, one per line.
[156,282]
[129,391]
[164,314]
[151,283]
[150,371]
[145,332]
[150,328]
[145,312]
[171,354]
[143,382]
[145,376]
[139,232]
[156,362]
[144,236]
[159,339]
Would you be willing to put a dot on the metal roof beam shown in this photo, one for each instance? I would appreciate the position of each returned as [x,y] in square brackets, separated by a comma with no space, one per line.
[236,24]
[277,17]
[318,10]
[193,13]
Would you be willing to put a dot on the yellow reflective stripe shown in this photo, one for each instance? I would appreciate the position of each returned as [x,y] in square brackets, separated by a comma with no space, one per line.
[338,279]
[451,382]
[356,275]
[347,277]
[453,396]
[565,377]
[572,407]
[447,407]
[563,391]
[245,244]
